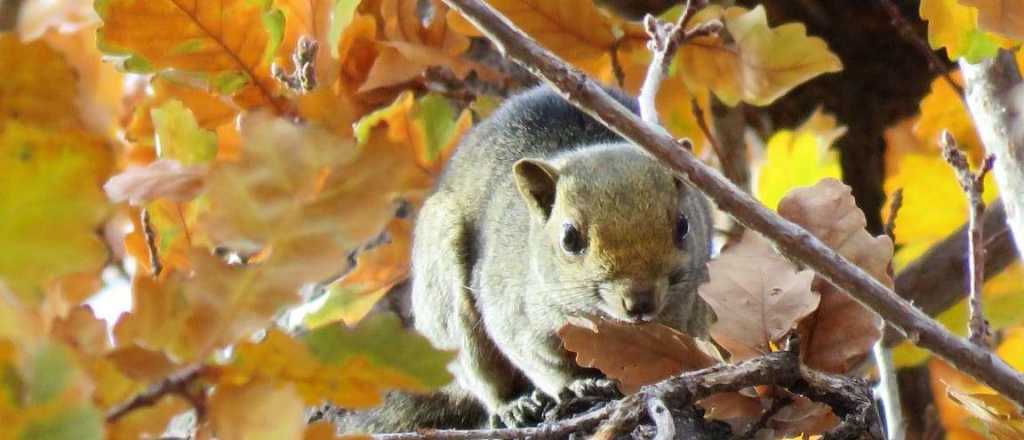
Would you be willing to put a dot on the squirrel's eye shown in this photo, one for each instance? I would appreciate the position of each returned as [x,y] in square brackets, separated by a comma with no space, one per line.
[572,240]
[679,235]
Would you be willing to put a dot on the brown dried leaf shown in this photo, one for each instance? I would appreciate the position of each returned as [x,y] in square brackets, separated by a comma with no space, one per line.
[164,178]
[842,331]
[758,295]
[635,355]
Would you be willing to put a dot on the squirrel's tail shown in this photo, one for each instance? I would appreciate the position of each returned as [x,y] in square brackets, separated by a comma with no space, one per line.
[403,412]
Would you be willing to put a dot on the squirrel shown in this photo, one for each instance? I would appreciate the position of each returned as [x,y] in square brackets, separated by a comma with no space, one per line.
[543,213]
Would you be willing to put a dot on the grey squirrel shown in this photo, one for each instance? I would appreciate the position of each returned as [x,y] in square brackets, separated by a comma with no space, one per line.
[543,213]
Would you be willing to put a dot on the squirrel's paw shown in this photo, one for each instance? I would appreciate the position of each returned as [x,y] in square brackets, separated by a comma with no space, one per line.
[591,387]
[527,410]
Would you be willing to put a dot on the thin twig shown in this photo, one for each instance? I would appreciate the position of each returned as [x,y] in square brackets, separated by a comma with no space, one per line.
[888,388]
[665,40]
[150,235]
[973,185]
[790,238]
[698,114]
[894,210]
[174,384]
[762,422]
[935,64]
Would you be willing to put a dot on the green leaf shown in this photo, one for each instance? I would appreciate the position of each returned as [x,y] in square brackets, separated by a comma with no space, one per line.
[385,342]
[76,423]
[179,136]
[344,10]
[437,116]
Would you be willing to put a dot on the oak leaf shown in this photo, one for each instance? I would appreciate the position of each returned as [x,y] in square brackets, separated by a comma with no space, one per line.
[800,157]
[758,295]
[147,422]
[52,204]
[954,26]
[165,178]
[259,410]
[1003,16]
[229,43]
[1001,418]
[39,86]
[842,331]
[208,110]
[635,355]
[760,65]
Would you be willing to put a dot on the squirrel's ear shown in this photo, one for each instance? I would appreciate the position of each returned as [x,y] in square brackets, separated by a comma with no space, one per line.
[536,181]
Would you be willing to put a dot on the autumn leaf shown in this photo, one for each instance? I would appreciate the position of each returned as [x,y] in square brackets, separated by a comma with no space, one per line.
[635,355]
[842,331]
[429,123]
[760,65]
[52,204]
[575,30]
[954,26]
[801,157]
[165,178]
[1003,16]
[351,368]
[260,410]
[1002,418]
[204,109]
[230,43]
[377,270]
[148,422]
[758,295]
[39,86]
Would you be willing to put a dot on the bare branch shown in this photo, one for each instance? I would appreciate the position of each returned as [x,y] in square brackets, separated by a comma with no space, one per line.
[935,64]
[659,412]
[150,235]
[973,186]
[793,240]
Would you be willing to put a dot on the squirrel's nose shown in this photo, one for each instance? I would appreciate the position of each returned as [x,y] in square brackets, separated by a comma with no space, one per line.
[639,303]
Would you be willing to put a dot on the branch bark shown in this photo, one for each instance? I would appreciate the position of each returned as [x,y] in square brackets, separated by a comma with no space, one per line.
[991,89]
[793,240]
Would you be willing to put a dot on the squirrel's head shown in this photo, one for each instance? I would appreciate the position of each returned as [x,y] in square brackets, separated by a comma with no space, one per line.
[616,226]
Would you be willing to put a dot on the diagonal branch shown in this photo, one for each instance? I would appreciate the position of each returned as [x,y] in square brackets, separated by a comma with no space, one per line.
[793,240]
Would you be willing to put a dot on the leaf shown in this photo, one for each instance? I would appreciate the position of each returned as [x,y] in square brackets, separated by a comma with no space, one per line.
[761,64]
[635,355]
[428,123]
[277,198]
[377,270]
[1001,417]
[179,137]
[575,30]
[38,86]
[758,295]
[36,18]
[52,205]
[798,158]
[1003,16]
[954,26]
[230,43]
[141,364]
[351,368]
[943,109]
[148,422]
[207,110]
[841,332]
[165,178]
[260,410]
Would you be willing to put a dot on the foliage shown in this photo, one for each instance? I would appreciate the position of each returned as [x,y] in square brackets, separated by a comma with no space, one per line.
[148,144]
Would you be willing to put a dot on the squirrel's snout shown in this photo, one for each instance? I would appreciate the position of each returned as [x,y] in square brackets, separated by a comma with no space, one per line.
[640,304]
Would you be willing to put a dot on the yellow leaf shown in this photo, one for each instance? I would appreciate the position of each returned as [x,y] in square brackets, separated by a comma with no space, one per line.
[944,109]
[148,422]
[575,30]
[376,271]
[954,26]
[261,410]
[209,110]
[230,42]
[761,64]
[52,204]
[1003,16]
[38,86]
[798,158]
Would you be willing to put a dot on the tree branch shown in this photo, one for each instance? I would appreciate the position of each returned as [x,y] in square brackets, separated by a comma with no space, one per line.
[793,240]
[973,185]
[850,399]
[174,384]
[992,88]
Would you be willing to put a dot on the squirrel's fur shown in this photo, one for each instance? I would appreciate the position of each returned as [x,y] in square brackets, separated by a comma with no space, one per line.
[492,278]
